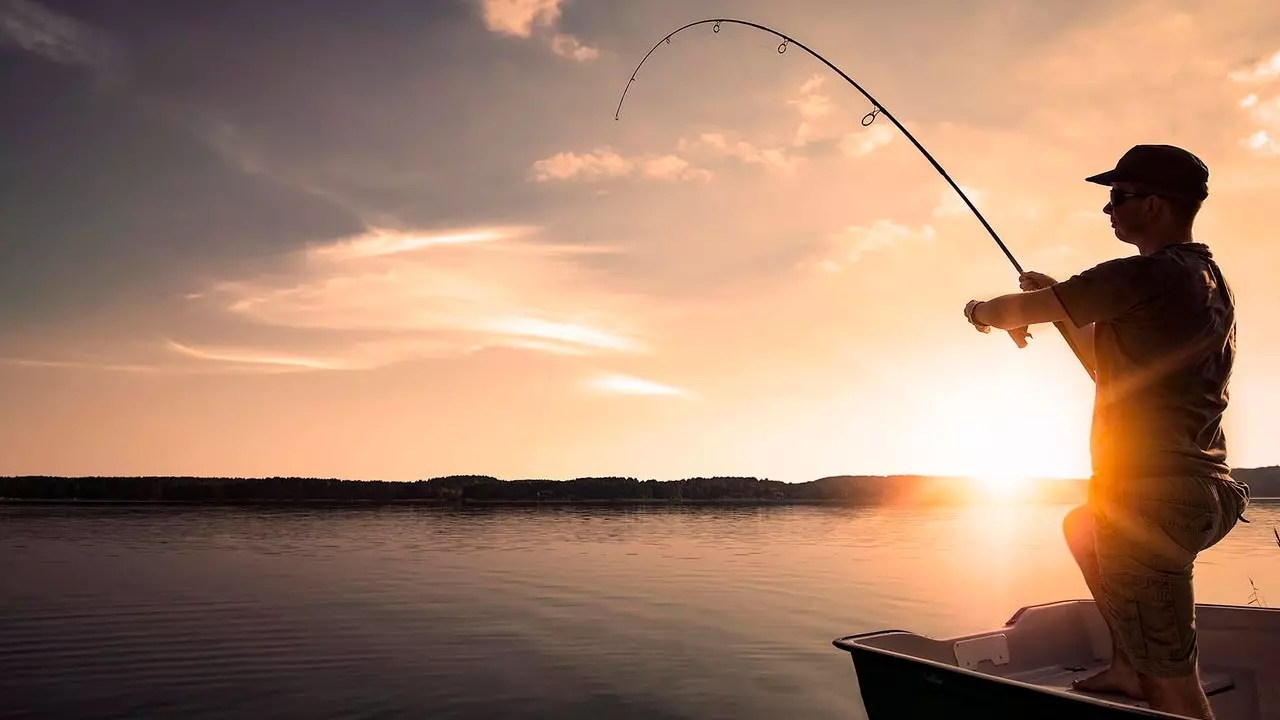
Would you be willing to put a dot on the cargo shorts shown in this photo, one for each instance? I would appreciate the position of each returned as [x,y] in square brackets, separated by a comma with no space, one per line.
[1148,534]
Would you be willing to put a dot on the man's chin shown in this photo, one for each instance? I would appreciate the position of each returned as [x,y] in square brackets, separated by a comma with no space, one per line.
[1124,238]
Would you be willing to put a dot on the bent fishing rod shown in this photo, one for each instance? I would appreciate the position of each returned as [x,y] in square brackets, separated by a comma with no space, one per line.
[876,110]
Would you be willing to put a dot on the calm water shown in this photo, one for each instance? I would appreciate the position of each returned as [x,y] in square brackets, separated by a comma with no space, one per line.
[110,612]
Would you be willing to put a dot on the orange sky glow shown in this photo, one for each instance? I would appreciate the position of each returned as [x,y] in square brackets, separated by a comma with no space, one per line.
[735,278]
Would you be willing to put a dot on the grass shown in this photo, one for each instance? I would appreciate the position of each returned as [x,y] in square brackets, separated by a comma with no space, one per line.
[1255,598]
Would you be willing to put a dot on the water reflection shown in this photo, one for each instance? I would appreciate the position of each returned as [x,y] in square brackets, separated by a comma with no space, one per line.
[685,612]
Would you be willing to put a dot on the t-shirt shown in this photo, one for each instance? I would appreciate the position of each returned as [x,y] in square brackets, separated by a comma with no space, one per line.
[1165,343]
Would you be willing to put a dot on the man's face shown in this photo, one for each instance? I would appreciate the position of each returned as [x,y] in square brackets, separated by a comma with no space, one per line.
[1132,211]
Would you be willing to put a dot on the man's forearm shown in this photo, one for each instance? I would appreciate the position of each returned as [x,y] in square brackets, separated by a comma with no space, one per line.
[1004,312]
[1016,310]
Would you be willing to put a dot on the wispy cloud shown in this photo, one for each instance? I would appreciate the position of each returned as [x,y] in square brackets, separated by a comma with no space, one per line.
[851,244]
[393,296]
[1265,115]
[80,365]
[858,144]
[818,122]
[259,356]
[618,384]
[520,18]
[812,105]
[383,242]
[776,158]
[1262,143]
[952,205]
[568,46]
[181,360]
[606,164]
[55,37]
[1264,71]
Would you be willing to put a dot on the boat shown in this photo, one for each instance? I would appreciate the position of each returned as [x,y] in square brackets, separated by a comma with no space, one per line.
[1025,669]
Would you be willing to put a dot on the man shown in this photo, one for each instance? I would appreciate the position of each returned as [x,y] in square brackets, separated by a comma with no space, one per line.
[1157,331]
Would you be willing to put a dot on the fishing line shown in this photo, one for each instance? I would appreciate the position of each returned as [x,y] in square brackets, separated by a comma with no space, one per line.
[877,109]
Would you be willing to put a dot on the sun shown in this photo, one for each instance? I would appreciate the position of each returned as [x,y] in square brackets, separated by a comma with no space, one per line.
[1003,485]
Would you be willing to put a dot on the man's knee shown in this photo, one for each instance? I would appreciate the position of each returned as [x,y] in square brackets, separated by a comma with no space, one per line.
[1077,527]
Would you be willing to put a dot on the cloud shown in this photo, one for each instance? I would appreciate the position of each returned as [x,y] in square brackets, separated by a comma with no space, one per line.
[519,18]
[58,38]
[617,384]
[812,105]
[815,106]
[258,356]
[606,164]
[858,144]
[1261,143]
[568,46]
[672,167]
[383,242]
[80,364]
[855,241]
[774,158]
[950,203]
[1265,71]
[391,296]
[1265,115]
[353,356]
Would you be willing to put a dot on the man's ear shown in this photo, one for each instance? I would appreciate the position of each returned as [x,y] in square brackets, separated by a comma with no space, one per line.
[1152,205]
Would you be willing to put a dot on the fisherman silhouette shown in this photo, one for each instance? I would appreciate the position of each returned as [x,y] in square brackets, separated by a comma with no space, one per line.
[1158,332]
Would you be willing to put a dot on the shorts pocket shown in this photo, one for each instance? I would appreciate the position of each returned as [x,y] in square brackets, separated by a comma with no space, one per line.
[1167,626]
[1194,520]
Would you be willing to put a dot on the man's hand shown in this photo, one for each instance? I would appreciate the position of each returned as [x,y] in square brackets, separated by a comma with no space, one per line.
[1029,281]
[1019,335]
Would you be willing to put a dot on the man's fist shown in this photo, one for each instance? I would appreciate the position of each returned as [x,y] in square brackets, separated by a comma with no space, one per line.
[1029,281]
[1020,336]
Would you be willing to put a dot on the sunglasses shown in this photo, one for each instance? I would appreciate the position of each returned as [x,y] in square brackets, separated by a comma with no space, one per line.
[1119,197]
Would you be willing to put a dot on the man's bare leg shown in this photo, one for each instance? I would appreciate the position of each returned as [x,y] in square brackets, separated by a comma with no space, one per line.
[1178,695]
[1120,677]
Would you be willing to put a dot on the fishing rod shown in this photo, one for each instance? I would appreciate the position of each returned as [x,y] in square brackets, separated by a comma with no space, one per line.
[876,110]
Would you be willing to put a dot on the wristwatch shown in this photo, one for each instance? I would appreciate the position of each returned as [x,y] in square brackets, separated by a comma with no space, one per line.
[968,315]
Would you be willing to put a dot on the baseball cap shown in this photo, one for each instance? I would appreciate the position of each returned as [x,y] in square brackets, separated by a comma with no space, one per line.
[1164,167]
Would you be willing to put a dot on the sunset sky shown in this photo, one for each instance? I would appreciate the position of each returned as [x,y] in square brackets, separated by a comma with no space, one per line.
[393,240]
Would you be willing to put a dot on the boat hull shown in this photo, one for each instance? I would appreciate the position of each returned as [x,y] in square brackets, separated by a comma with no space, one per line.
[894,686]
[1025,669]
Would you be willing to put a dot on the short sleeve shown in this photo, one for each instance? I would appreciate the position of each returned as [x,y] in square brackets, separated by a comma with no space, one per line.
[1110,290]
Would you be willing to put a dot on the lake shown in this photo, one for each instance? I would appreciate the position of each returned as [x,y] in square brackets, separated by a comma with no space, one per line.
[526,612]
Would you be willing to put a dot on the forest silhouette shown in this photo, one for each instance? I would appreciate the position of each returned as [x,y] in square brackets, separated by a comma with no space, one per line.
[485,489]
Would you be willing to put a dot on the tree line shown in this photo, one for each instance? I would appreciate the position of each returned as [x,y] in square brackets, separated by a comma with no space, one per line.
[850,489]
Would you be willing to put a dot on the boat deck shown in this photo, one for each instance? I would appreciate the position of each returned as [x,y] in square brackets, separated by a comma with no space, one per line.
[1059,678]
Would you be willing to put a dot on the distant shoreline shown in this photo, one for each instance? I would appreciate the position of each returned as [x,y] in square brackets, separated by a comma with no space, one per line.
[611,491]
[742,502]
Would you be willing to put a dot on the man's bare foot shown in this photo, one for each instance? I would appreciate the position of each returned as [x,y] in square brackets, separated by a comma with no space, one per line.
[1117,679]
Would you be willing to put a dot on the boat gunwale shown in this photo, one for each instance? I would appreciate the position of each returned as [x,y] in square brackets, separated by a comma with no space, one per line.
[1031,687]
[854,644]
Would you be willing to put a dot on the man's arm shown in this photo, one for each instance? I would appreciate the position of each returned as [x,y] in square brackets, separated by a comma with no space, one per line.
[1017,310]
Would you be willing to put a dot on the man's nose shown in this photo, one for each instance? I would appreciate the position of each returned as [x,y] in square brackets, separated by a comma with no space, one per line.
[1107,208]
